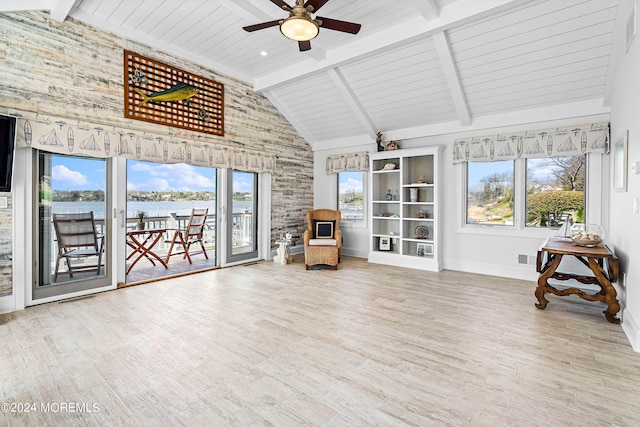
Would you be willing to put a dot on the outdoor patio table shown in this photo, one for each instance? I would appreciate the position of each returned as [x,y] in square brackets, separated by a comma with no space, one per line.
[142,242]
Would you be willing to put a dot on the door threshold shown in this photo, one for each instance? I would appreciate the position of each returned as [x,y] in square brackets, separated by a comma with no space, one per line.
[170,276]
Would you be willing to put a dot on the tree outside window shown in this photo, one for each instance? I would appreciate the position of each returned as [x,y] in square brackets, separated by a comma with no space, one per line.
[555,191]
[490,193]
[351,195]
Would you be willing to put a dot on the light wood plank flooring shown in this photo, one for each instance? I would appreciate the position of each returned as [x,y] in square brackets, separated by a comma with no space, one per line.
[268,344]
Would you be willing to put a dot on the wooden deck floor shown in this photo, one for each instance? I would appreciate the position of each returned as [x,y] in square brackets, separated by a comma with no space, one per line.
[270,344]
[144,271]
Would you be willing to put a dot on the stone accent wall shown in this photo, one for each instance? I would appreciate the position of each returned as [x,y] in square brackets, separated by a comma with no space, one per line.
[75,71]
[6,253]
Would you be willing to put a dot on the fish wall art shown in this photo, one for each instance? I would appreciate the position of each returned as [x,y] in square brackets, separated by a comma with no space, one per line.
[159,93]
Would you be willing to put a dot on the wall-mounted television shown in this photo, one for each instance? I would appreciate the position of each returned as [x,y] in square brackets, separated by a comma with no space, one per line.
[7,136]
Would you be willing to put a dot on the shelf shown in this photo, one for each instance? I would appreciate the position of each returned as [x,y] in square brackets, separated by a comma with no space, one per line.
[411,218]
[408,239]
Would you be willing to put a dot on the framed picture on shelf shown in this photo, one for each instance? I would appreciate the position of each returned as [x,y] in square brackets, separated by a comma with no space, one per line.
[385,244]
[424,249]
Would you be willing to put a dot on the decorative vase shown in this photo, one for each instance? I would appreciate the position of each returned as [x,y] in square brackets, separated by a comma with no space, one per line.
[413,194]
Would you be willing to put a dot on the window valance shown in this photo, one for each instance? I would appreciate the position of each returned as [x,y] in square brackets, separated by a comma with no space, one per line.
[350,162]
[85,139]
[563,141]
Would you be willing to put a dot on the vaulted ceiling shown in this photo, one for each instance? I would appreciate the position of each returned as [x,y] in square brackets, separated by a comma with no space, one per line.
[417,67]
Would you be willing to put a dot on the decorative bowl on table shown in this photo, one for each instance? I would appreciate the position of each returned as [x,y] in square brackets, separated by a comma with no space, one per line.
[589,235]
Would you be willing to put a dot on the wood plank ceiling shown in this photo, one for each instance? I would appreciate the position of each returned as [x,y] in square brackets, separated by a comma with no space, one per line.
[417,67]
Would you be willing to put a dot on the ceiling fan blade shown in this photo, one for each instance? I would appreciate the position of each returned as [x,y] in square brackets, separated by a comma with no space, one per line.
[257,27]
[281,5]
[334,24]
[315,4]
[304,45]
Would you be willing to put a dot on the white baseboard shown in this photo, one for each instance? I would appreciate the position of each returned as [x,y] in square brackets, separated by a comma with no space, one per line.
[354,253]
[7,304]
[521,273]
[630,328]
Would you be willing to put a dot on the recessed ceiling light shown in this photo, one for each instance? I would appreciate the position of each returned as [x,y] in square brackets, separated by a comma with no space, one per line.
[264,53]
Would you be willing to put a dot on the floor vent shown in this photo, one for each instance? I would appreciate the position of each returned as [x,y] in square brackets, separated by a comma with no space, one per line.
[526,259]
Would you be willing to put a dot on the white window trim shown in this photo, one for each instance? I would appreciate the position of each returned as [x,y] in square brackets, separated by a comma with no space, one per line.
[595,176]
[350,223]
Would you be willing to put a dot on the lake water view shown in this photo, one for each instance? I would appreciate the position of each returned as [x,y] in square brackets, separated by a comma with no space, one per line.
[151,208]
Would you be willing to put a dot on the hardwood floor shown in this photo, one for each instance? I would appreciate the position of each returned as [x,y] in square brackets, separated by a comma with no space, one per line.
[364,345]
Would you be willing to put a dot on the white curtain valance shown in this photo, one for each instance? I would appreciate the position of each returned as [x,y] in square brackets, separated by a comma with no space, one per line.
[563,141]
[350,162]
[85,139]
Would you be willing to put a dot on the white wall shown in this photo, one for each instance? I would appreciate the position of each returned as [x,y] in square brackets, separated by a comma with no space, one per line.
[624,232]
[482,251]
[355,239]
[497,255]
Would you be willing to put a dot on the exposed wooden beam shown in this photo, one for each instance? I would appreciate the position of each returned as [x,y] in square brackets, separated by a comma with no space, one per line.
[451,75]
[353,101]
[248,11]
[456,14]
[60,9]
[579,112]
[428,9]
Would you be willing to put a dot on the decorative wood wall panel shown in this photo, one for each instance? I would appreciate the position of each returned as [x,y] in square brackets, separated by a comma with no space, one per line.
[33,80]
[158,93]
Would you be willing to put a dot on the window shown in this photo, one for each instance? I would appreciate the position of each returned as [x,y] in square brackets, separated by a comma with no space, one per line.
[534,193]
[351,202]
[555,191]
[490,193]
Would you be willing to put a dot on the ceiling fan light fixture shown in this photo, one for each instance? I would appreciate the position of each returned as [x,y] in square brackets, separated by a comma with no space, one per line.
[299,28]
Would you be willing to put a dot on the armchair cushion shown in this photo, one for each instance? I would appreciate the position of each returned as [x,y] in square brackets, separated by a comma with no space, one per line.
[323,229]
[323,242]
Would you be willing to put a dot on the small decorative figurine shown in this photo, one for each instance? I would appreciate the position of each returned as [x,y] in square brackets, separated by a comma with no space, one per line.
[392,145]
[379,142]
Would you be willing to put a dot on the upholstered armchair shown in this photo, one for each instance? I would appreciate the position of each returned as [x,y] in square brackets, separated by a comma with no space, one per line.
[322,238]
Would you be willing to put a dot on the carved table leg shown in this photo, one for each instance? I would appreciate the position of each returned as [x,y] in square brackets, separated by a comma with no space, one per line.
[551,267]
[613,306]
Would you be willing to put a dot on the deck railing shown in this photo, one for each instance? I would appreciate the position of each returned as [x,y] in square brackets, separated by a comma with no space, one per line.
[241,236]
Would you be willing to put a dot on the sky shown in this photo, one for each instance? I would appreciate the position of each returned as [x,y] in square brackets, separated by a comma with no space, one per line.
[71,173]
[539,170]
[351,181]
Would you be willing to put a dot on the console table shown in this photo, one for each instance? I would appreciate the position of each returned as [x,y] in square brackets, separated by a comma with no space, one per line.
[599,259]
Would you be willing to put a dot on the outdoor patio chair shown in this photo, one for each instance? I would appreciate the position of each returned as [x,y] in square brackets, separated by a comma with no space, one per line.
[190,235]
[77,239]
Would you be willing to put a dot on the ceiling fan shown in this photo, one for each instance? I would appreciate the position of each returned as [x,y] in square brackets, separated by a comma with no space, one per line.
[300,26]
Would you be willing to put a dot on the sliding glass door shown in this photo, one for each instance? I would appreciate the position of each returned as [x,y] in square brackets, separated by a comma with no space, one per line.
[72,227]
[242,218]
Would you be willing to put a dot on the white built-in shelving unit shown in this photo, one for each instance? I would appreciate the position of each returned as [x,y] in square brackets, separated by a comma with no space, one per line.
[410,225]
